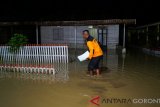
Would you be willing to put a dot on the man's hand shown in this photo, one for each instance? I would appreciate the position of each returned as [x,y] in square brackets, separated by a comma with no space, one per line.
[87,59]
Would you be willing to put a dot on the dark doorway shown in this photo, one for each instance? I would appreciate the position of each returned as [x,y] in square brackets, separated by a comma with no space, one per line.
[102,37]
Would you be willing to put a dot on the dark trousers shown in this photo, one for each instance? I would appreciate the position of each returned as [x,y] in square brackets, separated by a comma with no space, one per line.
[94,63]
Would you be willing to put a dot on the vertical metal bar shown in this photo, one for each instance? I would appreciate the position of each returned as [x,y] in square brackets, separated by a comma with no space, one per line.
[37,33]
[147,35]
[34,54]
[37,60]
[26,54]
[102,37]
[63,54]
[67,53]
[45,53]
[21,55]
[48,53]
[40,53]
[60,53]
[53,52]
[57,54]
[75,33]
[124,36]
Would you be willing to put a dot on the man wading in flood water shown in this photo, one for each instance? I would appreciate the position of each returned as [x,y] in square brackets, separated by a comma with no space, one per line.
[95,53]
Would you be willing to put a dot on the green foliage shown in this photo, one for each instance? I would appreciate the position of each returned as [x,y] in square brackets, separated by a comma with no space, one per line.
[16,42]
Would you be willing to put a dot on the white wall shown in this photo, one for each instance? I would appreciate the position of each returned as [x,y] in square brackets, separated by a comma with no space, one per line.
[112,36]
[69,35]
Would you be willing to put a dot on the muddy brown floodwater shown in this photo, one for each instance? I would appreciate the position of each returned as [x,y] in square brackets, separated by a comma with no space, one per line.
[133,76]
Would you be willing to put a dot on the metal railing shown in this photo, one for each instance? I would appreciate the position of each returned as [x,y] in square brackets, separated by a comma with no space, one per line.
[34,56]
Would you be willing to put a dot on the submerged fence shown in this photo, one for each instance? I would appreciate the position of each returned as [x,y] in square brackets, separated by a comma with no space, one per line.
[35,56]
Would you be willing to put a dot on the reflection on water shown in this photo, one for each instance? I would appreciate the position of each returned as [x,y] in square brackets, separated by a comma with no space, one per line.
[112,60]
[60,76]
[134,75]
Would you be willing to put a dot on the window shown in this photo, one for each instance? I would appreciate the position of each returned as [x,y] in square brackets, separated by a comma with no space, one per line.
[58,34]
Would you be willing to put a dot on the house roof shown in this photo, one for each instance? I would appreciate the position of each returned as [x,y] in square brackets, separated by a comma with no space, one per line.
[148,25]
[71,23]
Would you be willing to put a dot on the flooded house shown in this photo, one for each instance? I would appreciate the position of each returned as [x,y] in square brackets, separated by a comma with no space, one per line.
[108,32]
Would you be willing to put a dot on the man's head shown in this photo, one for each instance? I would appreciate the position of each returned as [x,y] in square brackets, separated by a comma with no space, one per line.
[85,34]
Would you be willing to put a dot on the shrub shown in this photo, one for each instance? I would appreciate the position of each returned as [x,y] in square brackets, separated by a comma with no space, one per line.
[16,42]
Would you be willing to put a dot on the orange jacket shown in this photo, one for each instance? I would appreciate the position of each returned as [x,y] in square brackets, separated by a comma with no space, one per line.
[94,48]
